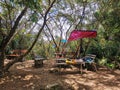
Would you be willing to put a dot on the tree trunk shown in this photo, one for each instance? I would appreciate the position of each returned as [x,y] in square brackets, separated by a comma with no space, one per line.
[7,40]
[2,55]
[6,68]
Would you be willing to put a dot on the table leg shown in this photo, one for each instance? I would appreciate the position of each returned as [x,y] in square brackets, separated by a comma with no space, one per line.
[81,68]
[94,66]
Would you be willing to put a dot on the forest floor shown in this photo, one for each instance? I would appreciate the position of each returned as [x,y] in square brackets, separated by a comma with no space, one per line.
[23,76]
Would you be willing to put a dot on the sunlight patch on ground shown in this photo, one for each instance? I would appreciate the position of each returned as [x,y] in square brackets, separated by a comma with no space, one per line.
[104,87]
[72,83]
[30,84]
[27,69]
[1,82]
[28,77]
[117,71]
[20,67]
[37,76]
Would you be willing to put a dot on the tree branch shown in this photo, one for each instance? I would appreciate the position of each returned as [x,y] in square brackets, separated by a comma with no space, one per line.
[44,23]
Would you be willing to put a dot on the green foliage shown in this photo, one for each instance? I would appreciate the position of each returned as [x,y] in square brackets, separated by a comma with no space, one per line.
[110,65]
[108,17]
[34,17]
[95,48]
[43,49]
[32,4]
[102,61]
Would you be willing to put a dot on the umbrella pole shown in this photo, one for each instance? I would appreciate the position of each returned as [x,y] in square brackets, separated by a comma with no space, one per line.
[76,53]
[80,50]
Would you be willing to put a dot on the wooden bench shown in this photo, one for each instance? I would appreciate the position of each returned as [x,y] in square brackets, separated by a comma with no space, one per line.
[91,62]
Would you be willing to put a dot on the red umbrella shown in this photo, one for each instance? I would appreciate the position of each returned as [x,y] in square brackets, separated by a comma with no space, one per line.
[77,34]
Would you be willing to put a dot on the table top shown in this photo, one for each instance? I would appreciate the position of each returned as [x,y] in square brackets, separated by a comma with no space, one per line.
[13,55]
[39,58]
[58,59]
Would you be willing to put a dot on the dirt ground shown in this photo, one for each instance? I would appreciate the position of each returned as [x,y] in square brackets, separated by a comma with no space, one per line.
[23,76]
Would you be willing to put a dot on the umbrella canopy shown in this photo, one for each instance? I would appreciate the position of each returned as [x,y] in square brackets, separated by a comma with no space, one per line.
[77,34]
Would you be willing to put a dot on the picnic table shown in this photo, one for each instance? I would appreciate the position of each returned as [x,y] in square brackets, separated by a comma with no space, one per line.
[15,54]
[65,62]
[79,63]
[12,56]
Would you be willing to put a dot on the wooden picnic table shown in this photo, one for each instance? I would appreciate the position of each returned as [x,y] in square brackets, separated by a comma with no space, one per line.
[12,56]
[79,63]
[61,62]
[16,53]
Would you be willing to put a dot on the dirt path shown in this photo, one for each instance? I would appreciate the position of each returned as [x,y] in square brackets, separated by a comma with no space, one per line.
[24,76]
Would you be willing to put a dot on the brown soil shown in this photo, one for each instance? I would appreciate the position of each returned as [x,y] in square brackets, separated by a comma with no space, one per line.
[23,76]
